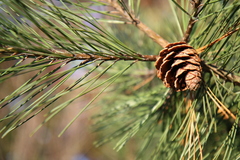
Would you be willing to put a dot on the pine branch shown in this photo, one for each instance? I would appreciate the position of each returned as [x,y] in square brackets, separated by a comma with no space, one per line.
[71,39]
[226,75]
[202,49]
[122,56]
[57,55]
[132,18]
[161,41]
[197,7]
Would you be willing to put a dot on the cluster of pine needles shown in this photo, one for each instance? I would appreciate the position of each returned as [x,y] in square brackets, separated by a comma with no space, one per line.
[56,52]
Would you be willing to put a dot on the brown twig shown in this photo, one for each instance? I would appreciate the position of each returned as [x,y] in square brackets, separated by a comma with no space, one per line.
[158,39]
[132,18]
[78,56]
[201,49]
[229,77]
[197,7]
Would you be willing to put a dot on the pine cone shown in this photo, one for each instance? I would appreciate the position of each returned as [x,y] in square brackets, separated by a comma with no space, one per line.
[179,67]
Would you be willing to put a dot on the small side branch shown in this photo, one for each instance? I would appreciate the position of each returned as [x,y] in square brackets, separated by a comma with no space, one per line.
[132,18]
[201,49]
[57,55]
[197,7]
[229,77]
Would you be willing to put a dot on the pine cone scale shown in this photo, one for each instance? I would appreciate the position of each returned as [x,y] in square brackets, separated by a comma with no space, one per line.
[164,68]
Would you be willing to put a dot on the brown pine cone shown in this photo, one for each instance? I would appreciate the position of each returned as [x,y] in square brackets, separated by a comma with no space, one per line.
[179,67]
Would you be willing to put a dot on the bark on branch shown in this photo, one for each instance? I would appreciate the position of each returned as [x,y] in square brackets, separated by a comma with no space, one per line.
[229,77]
[197,7]
[132,18]
[57,55]
[157,38]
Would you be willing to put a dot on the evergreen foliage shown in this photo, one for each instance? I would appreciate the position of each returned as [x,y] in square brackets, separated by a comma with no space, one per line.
[111,52]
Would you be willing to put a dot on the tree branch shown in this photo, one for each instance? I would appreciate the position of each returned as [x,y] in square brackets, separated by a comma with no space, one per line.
[57,54]
[132,18]
[157,38]
[229,77]
[201,49]
[197,7]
